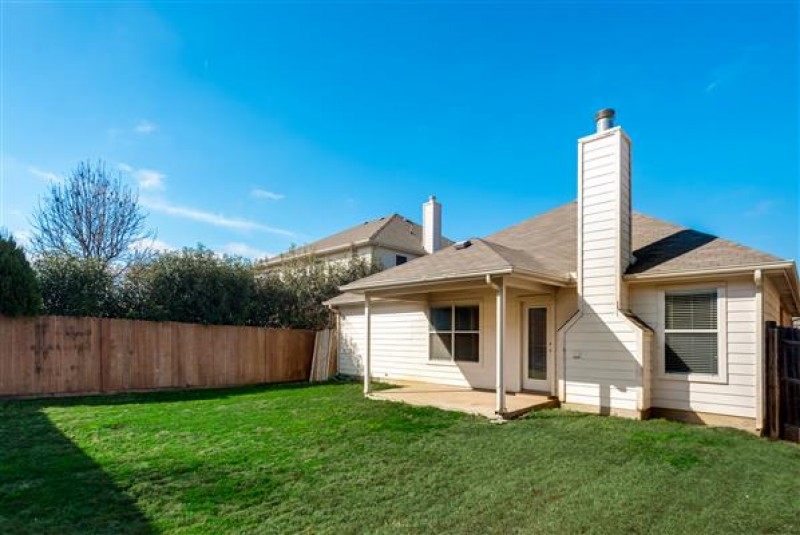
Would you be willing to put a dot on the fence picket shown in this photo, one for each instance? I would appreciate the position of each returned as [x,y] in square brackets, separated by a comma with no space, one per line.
[58,355]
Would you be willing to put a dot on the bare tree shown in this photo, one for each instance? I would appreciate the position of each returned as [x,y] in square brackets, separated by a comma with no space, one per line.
[92,214]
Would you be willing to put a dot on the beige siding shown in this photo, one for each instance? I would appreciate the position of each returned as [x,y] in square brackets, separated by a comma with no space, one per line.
[388,257]
[566,305]
[602,364]
[772,302]
[625,215]
[351,339]
[343,256]
[480,374]
[400,338]
[400,332]
[736,396]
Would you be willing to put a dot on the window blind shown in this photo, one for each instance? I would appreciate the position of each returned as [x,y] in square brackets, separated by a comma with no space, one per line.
[691,332]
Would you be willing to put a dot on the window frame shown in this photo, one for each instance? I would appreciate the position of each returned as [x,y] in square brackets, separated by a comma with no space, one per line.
[722,338]
[453,331]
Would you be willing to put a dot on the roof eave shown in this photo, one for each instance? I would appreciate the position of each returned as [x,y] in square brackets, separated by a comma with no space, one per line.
[794,284]
[277,260]
[424,281]
[787,267]
[304,251]
[743,269]
[541,276]
[546,278]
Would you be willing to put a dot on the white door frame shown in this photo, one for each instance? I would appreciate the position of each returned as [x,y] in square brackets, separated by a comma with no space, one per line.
[539,385]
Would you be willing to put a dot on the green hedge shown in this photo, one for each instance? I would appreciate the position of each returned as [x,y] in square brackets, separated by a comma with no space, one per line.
[198,286]
[193,286]
[74,286]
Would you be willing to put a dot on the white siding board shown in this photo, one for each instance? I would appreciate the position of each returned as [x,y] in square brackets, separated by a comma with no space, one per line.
[400,338]
[602,366]
[351,340]
[737,396]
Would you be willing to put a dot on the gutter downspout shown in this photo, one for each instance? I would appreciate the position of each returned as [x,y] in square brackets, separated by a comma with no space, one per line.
[500,389]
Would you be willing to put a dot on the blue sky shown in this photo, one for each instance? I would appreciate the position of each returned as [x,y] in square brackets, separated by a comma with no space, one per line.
[255,126]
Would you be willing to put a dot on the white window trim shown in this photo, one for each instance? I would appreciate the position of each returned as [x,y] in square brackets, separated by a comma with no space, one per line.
[452,304]
[721,377]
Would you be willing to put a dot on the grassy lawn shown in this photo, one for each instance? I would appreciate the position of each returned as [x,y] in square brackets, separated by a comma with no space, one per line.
[323,459]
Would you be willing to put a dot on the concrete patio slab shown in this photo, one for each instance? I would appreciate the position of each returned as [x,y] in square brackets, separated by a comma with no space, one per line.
[463,399]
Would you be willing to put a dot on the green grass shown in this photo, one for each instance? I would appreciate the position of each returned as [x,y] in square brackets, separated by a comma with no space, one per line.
[324,459]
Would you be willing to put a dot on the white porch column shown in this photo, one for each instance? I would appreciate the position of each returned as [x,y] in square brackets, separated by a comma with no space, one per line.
[367,344]
[500,387]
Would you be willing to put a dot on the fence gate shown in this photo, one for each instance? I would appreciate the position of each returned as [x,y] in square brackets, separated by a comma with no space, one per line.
[783,382]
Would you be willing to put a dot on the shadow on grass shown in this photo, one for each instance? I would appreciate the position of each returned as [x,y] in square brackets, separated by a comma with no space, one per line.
[48,485]
[162,396]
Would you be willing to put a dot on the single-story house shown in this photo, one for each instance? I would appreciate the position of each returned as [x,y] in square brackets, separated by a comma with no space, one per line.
[606,309]
[392,240]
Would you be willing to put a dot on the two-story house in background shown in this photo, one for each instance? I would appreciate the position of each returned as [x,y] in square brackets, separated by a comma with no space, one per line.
[392,240]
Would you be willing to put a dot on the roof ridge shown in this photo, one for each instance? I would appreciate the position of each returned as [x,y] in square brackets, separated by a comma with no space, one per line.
[492,247]
[381,227]
[527,254]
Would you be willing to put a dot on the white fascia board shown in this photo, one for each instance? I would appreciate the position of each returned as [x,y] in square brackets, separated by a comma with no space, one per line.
[709,272]
[427,281]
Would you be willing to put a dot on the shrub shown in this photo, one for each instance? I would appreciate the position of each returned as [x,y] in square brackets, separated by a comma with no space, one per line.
[192,285]
[292,295]
[197,286]
[73,286]
[19,290]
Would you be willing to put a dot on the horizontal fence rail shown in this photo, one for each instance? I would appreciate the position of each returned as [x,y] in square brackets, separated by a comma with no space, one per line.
[56,355]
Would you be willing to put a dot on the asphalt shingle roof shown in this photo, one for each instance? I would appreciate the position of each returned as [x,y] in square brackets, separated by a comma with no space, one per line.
[393,232]
[547,244]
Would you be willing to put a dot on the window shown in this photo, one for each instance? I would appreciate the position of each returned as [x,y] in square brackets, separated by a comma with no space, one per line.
[691,332]
[400,259]
[455,333]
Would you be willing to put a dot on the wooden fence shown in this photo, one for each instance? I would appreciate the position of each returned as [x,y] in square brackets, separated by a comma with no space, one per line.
[55,355]
[783,382]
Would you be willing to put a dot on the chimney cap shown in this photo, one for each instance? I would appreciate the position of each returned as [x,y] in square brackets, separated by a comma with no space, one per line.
[604,113]
[432,198]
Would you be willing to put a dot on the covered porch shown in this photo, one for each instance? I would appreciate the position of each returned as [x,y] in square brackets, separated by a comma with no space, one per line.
[512,366]
[463,399]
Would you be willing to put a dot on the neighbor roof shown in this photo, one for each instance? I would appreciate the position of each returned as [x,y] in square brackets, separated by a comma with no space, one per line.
[546,245]
[393,232]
